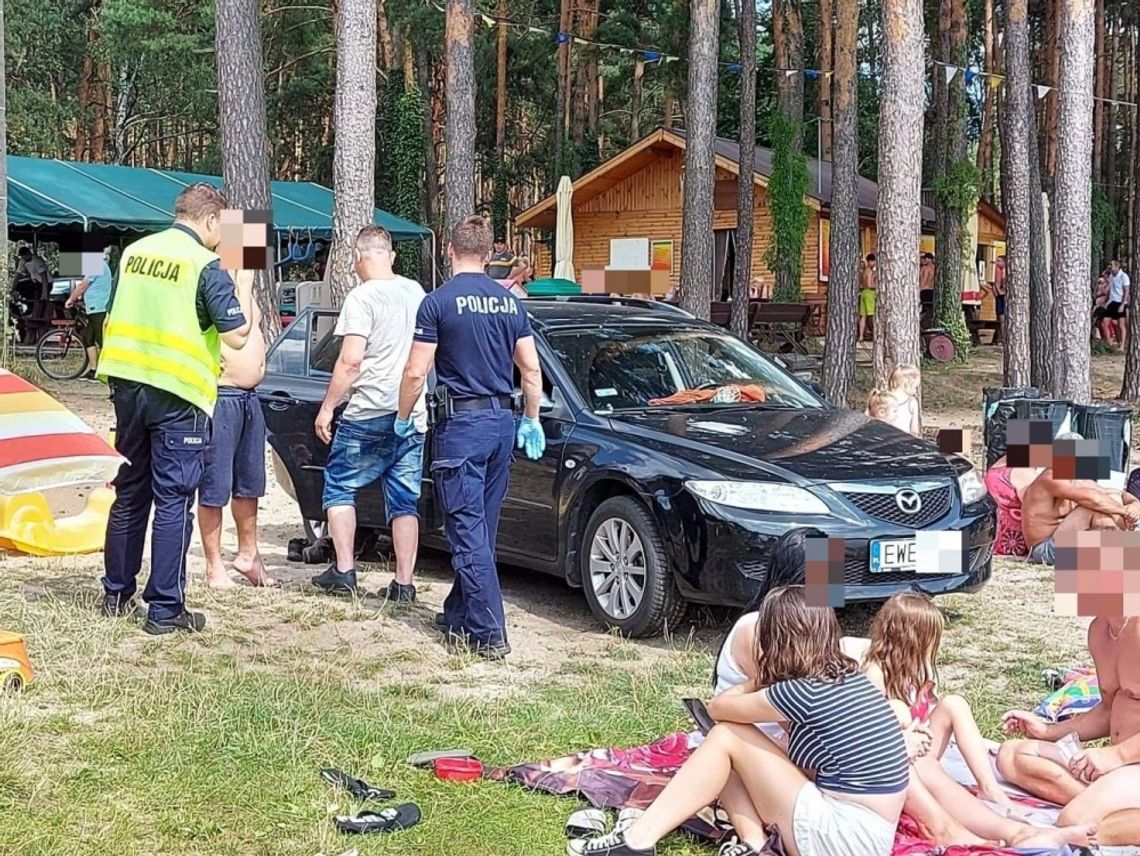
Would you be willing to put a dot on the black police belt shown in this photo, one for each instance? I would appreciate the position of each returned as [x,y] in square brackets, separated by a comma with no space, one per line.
[442,405]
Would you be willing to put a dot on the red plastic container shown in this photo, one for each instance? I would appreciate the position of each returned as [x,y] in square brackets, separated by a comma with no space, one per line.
[459,769]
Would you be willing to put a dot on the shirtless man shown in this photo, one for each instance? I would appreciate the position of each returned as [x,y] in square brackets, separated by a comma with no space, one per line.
[235,464]
[1098,786]
[1051,505]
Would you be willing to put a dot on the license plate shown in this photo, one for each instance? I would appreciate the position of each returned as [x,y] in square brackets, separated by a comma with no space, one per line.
[892,556]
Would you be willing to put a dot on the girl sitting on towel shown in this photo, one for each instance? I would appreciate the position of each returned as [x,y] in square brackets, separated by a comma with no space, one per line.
[902,661]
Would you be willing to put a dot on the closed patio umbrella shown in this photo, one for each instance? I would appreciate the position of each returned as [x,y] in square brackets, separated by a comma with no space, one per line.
[971,286]
[564,238]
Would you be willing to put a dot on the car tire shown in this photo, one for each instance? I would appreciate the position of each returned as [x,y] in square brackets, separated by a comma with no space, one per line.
[660,605]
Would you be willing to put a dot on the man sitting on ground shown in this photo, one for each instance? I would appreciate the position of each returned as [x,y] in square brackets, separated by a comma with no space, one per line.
[1097,786]
[1051,505]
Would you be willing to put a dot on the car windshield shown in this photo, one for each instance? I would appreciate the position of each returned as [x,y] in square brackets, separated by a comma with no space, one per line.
[619,368]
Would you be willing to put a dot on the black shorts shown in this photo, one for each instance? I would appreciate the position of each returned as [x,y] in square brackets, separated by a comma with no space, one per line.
[1115,310]
[999,305]
[92,332]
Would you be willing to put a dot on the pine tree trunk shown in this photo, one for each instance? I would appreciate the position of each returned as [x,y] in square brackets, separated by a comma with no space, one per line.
[245,142]
[386,58]
[459,179]
[501,83]
[1053,15]
[1040,274]
[1017,143]
[1098,106]
[635,102]
[900,180]
[562,96]
[843,285]
[745,184]
[354,153]
[1072,211]
[826,63]
[431,163]
[788,38]
[1130,390]
[700,161]
[989,96]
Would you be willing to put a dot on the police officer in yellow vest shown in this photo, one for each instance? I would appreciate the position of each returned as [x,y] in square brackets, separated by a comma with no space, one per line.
[169,311]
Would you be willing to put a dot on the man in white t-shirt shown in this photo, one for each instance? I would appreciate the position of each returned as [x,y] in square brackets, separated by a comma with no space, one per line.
[1116,310]
[376,324]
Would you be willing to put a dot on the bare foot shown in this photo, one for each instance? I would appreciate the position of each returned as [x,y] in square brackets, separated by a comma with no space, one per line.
[218,579]
[254,571]
[1054,838]
[954,834]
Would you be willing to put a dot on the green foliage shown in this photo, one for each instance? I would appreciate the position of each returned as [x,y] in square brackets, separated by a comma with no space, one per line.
[786,189]
[957,189]
[1105,225]
[956,192]
[406,164]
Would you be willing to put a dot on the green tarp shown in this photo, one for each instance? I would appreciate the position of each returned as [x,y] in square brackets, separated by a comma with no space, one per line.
[44,193]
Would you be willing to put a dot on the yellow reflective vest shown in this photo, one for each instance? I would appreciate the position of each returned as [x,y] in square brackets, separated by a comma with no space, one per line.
[152,334]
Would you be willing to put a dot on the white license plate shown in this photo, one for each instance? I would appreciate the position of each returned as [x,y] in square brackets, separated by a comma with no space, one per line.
[892,556]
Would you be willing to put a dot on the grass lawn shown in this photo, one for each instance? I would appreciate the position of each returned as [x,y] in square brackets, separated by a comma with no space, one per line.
[211,745]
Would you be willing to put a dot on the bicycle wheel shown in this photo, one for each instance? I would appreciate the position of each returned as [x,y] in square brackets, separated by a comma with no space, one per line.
[60,354]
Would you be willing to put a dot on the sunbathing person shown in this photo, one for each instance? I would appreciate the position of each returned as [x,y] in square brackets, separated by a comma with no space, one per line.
[1096,785]
[841,727]
[946,812]
[1051,505]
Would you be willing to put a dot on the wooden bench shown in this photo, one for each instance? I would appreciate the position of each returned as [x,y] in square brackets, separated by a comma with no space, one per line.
[782,326]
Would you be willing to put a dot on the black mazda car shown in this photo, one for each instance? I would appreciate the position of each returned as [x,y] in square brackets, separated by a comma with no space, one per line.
[675,455]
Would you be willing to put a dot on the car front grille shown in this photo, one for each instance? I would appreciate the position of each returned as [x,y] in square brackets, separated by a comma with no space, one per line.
[936,504]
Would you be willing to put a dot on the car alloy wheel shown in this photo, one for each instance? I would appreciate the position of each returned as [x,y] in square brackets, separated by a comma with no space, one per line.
[617,568]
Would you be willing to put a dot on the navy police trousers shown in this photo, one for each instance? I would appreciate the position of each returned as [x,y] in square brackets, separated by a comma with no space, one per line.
[470,468]
[163,439]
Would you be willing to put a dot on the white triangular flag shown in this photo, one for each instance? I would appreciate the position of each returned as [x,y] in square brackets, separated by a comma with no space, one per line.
[1042,90]
[790,72]
[951,71]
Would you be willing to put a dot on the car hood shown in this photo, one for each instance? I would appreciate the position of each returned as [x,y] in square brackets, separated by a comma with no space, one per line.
[825,445]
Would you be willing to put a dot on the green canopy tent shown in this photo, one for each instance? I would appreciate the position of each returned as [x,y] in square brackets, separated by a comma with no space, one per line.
[48,196]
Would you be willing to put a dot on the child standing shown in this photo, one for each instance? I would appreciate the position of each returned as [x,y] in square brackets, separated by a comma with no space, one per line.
[904,386]
[902,661]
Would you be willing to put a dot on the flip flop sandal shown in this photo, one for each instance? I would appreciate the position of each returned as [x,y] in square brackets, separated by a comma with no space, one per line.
[586,823]
[388,820]
[359,789]
[426,759]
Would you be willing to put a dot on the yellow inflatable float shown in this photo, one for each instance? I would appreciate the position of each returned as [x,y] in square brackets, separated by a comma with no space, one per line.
[44,446]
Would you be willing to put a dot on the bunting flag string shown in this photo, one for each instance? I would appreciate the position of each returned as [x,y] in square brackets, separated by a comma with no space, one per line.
[653,56]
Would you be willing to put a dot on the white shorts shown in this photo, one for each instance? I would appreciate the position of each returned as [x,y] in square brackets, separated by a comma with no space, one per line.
[826,826]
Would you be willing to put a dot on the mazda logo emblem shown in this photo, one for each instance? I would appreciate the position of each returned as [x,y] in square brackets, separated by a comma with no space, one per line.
[908,501]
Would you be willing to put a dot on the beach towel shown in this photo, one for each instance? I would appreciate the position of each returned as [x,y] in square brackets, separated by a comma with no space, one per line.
[632,778]
[1079,693]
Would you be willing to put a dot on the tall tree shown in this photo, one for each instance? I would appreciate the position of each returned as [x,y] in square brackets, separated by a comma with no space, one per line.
[1018,146]
[459,179]
[354,156]
[955,183]
[843,286]
[989,106]
[1040,278]
[745,185]
[501,83]
[1072,207]
[900,181]
[700,159]
[827,64]
[1130,390]
[245,142]
[562,95]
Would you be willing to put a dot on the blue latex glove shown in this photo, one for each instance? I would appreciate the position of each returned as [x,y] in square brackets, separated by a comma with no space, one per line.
[530,438]
[405,427]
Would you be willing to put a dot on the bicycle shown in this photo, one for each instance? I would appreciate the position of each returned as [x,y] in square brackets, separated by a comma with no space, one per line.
[60,352]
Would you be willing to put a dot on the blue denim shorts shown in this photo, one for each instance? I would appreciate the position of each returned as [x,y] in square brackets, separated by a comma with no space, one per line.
[367,450]
[235,456]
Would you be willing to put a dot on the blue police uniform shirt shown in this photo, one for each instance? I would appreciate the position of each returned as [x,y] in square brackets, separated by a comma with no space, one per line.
[217,302]
[476,324]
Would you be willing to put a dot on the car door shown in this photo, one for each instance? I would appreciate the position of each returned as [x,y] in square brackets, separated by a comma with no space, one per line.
[528,524]
[298,370]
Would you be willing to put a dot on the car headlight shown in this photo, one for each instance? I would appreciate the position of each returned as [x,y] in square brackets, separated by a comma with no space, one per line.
[972,487]
[759,496]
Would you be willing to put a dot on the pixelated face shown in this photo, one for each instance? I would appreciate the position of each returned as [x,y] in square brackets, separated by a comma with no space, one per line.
[1097,574]
[1029,443]
[954,441]
[823,578]
[1081,459]
[82,259]
[244,239]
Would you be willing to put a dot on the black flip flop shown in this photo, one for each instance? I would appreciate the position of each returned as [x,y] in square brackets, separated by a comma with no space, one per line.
[359,789]
[387,820]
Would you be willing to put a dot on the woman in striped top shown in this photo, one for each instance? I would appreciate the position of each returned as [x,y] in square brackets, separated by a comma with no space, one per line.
[841,729]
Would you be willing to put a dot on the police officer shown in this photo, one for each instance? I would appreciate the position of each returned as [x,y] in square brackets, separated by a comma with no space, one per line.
[171,306]
[474,329]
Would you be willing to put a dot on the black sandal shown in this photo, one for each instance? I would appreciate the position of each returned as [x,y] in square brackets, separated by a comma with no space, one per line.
[387,820]
[359,789]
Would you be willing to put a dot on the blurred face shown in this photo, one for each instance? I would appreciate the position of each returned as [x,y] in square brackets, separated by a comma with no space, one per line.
[1115,267]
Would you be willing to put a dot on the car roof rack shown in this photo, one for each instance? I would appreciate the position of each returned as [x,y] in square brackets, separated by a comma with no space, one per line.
[614,300]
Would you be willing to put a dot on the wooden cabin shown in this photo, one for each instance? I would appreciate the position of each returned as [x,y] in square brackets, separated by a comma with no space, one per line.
[638,194]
